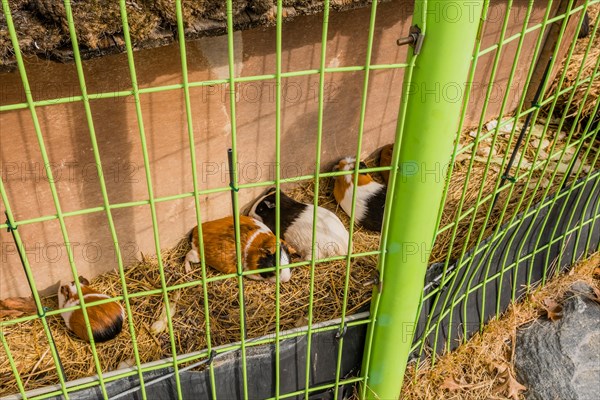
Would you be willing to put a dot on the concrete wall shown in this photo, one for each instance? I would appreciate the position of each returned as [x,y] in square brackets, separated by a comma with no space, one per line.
[67,139]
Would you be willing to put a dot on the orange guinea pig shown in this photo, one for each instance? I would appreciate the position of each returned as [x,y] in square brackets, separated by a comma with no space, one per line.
[385,160]
[258,245]
[106,319]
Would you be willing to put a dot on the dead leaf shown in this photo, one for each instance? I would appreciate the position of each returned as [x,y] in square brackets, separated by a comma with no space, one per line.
[552,308]
[127,363]
[451,384]
[509,386]
[302,321]
[17,306]
[500,368]
[595,296]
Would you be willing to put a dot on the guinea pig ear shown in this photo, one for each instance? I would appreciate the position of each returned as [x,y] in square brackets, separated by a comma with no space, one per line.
[291,251]
[83,281]
[269,203]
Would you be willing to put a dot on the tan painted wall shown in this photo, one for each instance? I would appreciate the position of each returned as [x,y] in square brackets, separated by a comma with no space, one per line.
[69,148]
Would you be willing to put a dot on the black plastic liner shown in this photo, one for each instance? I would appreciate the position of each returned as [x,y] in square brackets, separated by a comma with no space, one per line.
[581,205]
[260,369]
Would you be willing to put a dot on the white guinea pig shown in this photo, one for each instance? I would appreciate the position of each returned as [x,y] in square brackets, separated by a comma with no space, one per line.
[296,222]
[106,319]
[370,195]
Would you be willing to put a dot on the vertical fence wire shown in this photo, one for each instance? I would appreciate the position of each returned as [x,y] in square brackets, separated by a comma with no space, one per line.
[495,133]
[13,365]
[190,126]
[278,39]
[102,182]
[324,32]
[37,300]
[476,143]
[152,203]
[453,275]
[497,187]
[231,81]
[51,181]
[348,261]
[235,198]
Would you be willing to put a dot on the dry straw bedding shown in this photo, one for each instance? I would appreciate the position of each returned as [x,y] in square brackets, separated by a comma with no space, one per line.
[472,371]
[29,345]
[586,66]
[30,348]
[31,351]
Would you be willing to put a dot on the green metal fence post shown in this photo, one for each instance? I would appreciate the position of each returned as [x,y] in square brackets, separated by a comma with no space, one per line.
[427,132]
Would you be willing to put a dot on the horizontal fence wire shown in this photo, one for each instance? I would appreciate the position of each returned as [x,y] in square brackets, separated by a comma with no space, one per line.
[331,326]
[517,204]
[493,219]
[165,290]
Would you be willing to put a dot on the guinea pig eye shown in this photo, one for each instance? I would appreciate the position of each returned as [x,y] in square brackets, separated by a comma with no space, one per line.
[266,251]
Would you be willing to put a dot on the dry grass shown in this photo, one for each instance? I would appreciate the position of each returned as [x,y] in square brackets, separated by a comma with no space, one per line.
[469,230]
[474,365]
[35,362]
[29,346]
[587,67]
[469,364]
[468,184]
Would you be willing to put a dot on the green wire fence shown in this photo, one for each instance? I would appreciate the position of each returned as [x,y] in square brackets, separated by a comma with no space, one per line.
[428,132]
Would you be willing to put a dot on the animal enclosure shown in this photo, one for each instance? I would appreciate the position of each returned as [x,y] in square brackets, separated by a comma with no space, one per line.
[118,152]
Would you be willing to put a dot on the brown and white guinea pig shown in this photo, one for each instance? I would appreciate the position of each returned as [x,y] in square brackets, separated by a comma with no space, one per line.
[370,195]
[105,319]
[385,160]
[258,245]
[296,222]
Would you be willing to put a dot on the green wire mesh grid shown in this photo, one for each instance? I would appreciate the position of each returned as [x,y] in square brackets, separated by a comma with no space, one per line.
[488,219]
[177,360]
[464,215]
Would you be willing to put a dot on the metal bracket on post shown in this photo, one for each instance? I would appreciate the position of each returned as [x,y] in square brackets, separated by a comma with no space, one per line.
[425,142]
[414,38]
[375,281]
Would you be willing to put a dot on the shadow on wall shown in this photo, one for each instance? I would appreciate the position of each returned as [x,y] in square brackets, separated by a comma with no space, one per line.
[66,134]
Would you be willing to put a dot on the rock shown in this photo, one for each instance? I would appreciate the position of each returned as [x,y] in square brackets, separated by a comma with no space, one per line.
[537,130]
[491,124]
[561,359]
[483,151]
[506,125]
